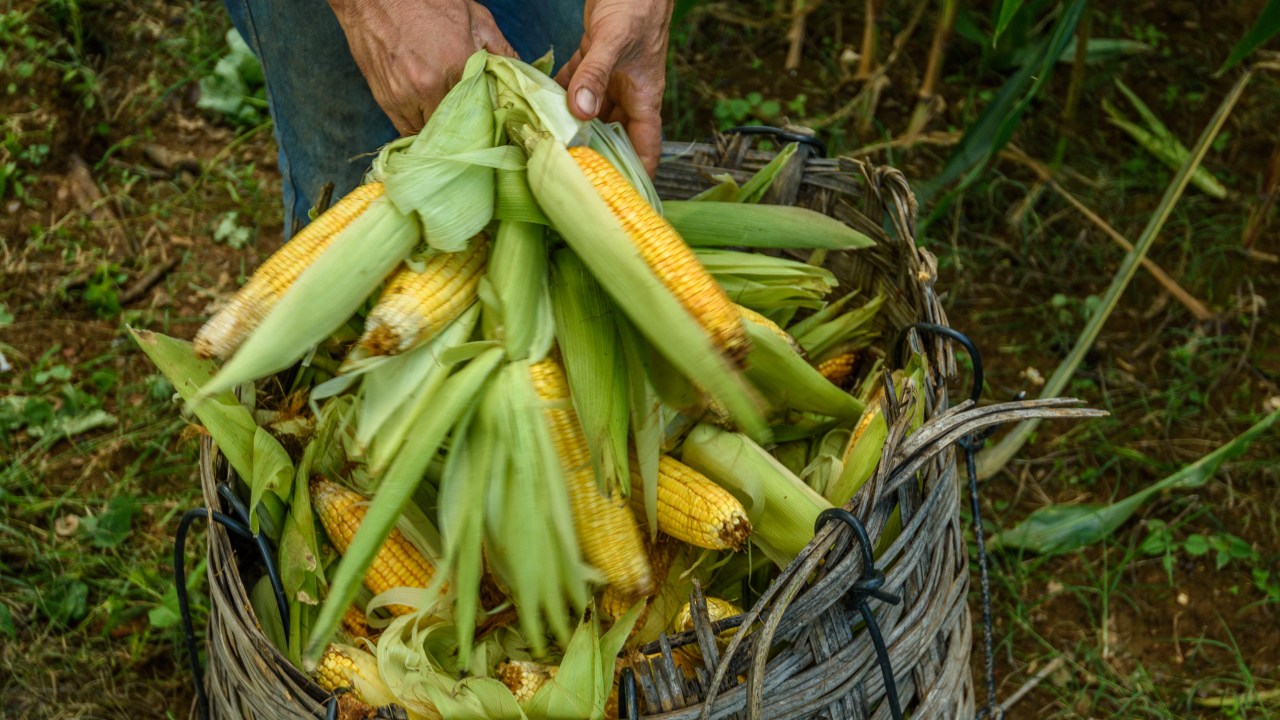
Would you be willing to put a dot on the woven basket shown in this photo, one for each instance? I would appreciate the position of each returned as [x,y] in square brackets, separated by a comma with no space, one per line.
[804,655]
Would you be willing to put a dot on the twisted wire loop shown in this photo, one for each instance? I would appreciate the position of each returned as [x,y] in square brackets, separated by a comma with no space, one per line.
[869,585]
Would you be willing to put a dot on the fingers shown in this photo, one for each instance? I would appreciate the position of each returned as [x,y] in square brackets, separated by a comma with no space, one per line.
[645,131]
[590,79]
[566,73]
[487,34]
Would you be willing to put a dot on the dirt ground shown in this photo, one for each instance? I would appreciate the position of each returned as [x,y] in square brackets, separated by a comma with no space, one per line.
[123,203]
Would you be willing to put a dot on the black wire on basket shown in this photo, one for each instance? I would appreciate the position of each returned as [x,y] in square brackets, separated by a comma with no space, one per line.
[870,584]
[970,444]
[240,527]
[818,146]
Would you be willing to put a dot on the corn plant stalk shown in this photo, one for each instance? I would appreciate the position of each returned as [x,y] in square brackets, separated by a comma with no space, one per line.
[992,460]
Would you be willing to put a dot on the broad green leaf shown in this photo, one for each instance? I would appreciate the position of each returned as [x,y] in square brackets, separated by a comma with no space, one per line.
[995,127]
[1063,528]
[1267,26]
[1008,9]
[109,529]
[1160,141]
[230,423]
[272,473]
[1104,49]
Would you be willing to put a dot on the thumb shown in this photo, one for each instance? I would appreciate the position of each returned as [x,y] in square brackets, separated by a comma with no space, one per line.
[591,78]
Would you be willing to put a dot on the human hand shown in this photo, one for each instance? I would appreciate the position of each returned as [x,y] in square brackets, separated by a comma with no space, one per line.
[619,71]
[412,51]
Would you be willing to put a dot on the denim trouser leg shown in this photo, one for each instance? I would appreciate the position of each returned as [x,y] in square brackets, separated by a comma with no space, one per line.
[326,120]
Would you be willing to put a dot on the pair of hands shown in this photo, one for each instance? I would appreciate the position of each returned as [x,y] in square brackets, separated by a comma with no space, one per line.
[412,51]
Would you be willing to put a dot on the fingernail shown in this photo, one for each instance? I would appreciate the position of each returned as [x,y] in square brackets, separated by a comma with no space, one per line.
[587,101]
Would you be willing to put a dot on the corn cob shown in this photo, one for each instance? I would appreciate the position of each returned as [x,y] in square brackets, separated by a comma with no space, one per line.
[668,256]
[613,605]
[415,306]
[397,564]
[607,532]
[230,326]
[524,678]
[694,509]
[752,316]
[838,369]
[344,666]
[356,625]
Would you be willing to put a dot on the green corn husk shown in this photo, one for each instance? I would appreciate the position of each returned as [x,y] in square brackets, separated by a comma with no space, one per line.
[782,509]
[444,176]
[433,420]
[327,293]
[763,282]
[593,358]
[753,190]
[790,381]
[529,530]
[646,417]
[590,229]
[515,292]
[848,330]
[715,223]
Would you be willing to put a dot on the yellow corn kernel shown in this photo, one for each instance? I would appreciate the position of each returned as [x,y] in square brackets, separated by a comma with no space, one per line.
[717,610]
[524,678]
[875,409]
[230,326]
[415,306]
[695,509]
[763,321]
[356,624]
[670,258]
[838,369]
[607,532]
[397,564]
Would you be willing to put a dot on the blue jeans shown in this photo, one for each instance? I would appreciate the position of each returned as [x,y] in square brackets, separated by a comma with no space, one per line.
[327,123]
